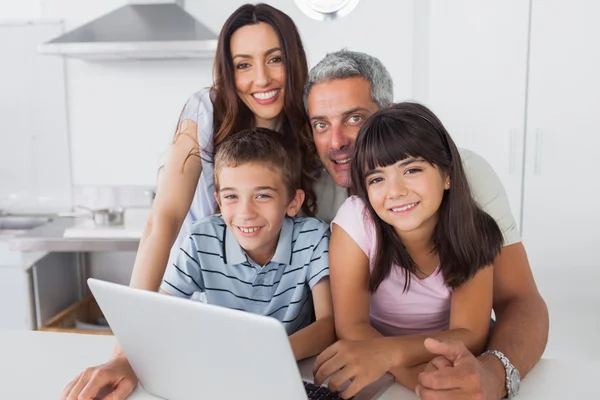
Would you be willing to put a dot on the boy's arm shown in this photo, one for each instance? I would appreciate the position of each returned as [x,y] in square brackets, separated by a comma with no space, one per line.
[316,337]
[320,334]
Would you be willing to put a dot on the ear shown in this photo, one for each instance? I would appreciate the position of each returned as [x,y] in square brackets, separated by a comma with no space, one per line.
[296,203]
[447,182]
[216,194]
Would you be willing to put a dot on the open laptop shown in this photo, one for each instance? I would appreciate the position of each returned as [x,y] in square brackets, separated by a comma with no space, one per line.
[182,349]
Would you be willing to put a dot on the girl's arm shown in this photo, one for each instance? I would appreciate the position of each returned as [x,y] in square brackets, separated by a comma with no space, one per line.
[350,274]
[470,313]
[368,355]
[320,334]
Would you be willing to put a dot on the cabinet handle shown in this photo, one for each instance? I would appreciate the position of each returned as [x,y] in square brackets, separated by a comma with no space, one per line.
[537,166]
[512,151]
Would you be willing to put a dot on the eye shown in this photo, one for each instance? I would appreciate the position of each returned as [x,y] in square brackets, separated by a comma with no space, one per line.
[275,60]
[355,119]
[263,196]
[230,197]
[374,180]
[319,126]
[412,171]
[242,66]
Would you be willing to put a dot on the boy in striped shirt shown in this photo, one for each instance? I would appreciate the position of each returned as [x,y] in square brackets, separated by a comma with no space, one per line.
[256,256]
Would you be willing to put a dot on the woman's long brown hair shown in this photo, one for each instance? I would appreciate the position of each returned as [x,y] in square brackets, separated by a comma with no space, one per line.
[465,238]
[231,115]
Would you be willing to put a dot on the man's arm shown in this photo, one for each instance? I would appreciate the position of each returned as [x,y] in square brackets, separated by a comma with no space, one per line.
[521,329]
[521,333]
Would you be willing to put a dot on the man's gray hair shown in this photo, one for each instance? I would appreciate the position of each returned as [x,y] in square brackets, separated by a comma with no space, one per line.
[345,64]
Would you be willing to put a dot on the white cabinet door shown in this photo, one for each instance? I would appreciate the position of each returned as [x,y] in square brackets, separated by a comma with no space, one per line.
[35,172]
[470,67]
[561,214]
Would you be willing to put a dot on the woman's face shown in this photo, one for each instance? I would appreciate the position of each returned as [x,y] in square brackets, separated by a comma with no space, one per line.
[259,72]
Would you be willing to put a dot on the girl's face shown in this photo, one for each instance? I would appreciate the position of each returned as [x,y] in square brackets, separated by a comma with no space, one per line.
[407,195]
[259,72]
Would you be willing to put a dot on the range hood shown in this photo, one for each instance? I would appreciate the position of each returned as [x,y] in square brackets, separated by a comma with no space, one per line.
[149,30]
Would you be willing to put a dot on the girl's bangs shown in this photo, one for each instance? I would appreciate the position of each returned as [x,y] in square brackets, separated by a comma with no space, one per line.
[389,141]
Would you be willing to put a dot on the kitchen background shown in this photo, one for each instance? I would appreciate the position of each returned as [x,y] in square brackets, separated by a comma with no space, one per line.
[515,81]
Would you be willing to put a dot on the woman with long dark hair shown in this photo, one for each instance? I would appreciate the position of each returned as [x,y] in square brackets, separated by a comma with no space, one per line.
[410,254]
[259,75]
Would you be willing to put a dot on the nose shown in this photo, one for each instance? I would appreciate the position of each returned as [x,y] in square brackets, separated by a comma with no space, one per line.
[396,188]
[339,138]
[262,77]
[246,210]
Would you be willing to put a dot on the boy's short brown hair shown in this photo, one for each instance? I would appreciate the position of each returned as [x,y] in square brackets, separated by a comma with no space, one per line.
[277,151]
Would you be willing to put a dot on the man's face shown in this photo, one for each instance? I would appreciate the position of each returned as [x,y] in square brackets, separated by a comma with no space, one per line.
[337,109]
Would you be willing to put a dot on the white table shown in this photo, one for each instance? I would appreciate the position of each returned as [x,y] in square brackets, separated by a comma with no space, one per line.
[37,365]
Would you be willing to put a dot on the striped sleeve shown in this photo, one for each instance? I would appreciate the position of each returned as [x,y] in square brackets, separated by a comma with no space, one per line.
[183,276]
[318,267]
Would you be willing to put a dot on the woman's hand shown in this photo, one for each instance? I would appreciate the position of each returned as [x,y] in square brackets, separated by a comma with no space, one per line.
[360,362]
[115,375]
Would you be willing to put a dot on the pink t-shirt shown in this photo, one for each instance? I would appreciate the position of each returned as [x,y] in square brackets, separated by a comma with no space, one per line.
[424,308]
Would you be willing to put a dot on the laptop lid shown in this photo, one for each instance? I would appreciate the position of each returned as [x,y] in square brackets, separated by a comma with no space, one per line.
[182,349]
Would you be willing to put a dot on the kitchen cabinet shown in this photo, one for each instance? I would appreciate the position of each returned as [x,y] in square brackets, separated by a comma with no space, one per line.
[34,287]
[471,70]
[517,82]
[561,211]
[35,174]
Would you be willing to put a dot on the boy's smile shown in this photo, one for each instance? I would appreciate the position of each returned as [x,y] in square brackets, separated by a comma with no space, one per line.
[254,202]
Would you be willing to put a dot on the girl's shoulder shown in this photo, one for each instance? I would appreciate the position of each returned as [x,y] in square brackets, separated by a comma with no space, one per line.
[354,218]
[354,215]
[354,204]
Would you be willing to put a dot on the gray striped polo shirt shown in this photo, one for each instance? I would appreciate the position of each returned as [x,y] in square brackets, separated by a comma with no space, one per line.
[213,268]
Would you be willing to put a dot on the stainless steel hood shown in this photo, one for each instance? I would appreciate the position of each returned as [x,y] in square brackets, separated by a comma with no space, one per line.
[137,31]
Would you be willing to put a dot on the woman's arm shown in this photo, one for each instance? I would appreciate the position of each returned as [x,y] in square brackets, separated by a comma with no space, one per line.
[177,183]
[320,334]
[470,313]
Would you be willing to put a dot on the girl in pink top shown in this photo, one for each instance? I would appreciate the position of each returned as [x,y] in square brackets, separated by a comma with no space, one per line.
[410,254]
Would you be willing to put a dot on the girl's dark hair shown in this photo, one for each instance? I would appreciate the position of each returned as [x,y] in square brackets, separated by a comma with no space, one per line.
[231,115]
[465,238]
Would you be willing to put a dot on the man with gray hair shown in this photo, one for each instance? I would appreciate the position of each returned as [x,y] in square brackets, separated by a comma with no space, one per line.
[342,92]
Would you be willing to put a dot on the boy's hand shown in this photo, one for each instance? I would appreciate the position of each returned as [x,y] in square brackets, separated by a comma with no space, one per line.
[116,374]
[360,362]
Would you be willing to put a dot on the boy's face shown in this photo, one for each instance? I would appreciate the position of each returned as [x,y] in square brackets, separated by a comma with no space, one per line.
[254,202]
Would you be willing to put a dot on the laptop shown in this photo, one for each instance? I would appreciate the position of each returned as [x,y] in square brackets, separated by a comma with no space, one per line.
[182,349]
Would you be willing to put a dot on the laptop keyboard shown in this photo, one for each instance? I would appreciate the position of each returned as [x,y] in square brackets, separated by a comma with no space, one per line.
[320,392]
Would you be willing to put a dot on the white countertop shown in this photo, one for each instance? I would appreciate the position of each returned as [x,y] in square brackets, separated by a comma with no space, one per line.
[37,365]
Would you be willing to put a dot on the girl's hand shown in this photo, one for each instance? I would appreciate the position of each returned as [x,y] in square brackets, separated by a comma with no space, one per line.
[358,362]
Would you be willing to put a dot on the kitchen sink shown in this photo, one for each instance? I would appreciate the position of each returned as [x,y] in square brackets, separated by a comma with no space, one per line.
[21,223]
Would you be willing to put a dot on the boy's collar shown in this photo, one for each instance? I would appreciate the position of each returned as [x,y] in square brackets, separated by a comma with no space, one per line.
[234,254]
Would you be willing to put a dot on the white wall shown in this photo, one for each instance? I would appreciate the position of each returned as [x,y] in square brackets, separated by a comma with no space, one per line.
[122,115]
[20,9]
